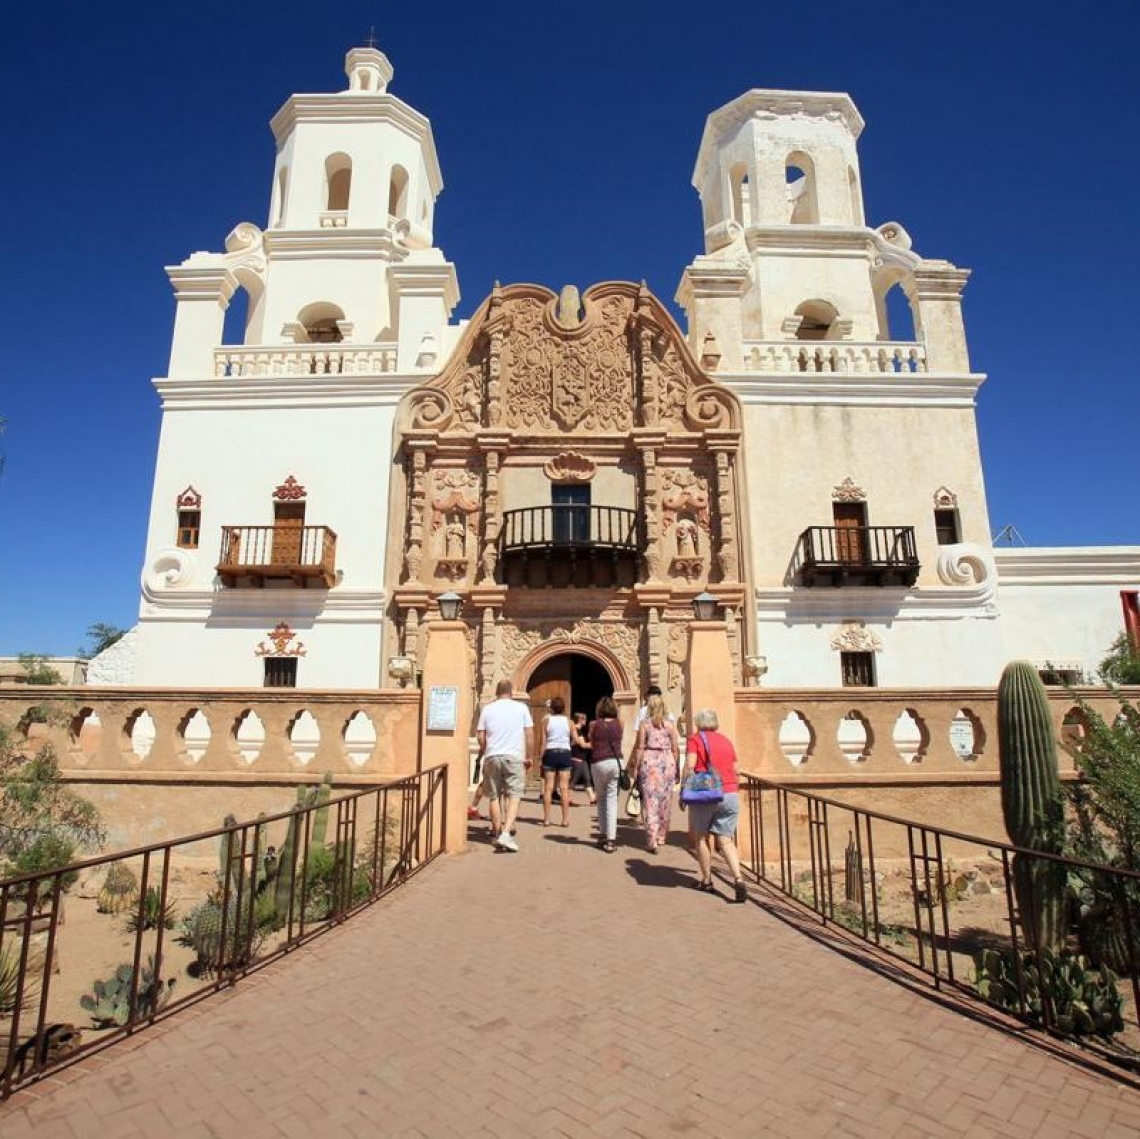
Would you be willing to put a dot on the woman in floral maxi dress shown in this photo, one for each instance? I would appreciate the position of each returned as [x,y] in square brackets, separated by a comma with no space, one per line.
[655,768]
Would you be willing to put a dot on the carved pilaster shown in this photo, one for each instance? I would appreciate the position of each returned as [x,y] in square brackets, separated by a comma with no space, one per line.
[732,623]
[654,646]
[495,359]
[488,653]
[412,635]
[493,516]
[650,374]
[417,451]
[727,554]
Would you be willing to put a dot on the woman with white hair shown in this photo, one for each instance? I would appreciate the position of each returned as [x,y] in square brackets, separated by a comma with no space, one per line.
[709,749]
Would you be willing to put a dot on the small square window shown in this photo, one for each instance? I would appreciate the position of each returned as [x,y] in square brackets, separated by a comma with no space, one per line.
[280,672]
[858,669]
[946,526]
[189,524]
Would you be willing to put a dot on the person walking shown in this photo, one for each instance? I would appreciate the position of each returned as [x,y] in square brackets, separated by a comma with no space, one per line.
[654,768]
[605,769]
[709,748]
[556,760]
[580,755]
[506,736]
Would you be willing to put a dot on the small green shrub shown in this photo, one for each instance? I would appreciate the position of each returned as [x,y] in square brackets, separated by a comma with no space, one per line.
[154,913]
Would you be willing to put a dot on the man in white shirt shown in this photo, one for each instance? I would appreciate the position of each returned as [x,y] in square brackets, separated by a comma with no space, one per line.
[506,737]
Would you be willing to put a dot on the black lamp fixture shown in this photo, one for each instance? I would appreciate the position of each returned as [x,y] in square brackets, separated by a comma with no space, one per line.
[449,605]
[705,606]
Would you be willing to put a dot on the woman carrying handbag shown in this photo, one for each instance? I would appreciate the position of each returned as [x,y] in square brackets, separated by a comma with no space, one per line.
[709,793]
[606,769]
[654,770]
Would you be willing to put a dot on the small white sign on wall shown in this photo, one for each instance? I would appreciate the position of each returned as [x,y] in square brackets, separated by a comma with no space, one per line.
[443,707]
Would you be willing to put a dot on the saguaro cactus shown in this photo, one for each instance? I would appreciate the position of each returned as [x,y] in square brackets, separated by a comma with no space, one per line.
[1032,803]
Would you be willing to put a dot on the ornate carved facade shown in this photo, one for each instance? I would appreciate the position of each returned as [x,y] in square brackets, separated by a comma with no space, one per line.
[653,472]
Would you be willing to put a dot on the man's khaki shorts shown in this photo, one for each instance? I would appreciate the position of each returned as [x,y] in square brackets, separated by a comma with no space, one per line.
[503,775]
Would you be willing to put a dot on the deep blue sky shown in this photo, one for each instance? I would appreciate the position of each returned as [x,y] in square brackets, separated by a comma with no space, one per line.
[1002,135]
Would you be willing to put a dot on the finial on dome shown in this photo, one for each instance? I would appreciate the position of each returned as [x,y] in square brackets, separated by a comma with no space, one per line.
[368,69]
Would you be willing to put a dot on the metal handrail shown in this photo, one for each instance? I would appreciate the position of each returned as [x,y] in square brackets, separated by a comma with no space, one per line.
[859,546]
[791,852]
[581,525]
[407,818]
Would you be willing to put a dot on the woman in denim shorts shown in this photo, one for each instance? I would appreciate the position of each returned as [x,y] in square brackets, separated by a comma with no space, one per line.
[707,747]
[556,760]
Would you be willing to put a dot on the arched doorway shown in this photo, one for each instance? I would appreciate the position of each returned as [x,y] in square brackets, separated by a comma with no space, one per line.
[579,679]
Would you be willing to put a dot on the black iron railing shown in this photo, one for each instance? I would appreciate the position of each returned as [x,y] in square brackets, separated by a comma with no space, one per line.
[946,903]
[258,552]
[569,525]
[279,881]
[858,555]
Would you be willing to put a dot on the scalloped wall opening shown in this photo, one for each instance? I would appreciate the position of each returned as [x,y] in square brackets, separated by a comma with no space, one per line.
[359,738]
[85,731]
[967,738]
[1074,729]
[305,735]
[249,735]
[140,732]
[911,736]
[193,733]
[797,738]
[854,737]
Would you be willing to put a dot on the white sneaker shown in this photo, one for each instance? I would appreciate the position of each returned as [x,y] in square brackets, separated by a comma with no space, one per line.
[506,842]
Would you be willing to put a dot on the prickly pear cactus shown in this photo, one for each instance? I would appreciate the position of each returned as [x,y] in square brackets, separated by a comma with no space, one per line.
[1032,803]
[120,890]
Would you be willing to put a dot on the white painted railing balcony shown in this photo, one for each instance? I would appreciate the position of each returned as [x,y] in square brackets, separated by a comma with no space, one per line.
[834,356]
[305,360]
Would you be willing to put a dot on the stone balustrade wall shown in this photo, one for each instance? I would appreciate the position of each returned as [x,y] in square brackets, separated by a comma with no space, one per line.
[879,358]
[306,360]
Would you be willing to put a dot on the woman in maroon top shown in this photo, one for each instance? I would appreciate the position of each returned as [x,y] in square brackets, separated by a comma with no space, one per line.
[605,767]
[709,748]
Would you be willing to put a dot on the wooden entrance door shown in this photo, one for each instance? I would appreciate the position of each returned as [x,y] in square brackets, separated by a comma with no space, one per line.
[550,679]
[288,522]
[850,532]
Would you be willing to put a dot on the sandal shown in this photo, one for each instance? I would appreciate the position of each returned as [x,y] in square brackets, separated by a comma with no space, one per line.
[740,891]
[608,847]
[704,887]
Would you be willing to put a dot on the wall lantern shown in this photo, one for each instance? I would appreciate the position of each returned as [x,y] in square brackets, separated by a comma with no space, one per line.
[705,606]
[449,605]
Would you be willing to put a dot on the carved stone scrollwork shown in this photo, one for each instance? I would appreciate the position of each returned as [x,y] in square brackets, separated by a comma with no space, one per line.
[189,499]
[431,409]
[855,637]
[847,491]
[623,641]
[709,406]
[569,466]
[965,564]
[945,498]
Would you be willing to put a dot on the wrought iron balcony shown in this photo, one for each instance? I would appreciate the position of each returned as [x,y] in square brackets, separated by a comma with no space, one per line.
[569,544]
[261,555]
[857,555]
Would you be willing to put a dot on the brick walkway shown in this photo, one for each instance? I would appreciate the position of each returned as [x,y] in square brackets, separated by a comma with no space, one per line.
[562,991]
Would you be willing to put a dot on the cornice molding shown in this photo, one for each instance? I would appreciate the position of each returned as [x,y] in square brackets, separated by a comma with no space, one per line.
[800,606]
[305,392]
[1069,565]
[306,244]
[836,389]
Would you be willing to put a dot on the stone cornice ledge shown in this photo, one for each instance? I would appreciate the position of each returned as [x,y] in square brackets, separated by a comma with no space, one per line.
[235,607]
[798,605]
[891,389]
[1069,565]
[384,389]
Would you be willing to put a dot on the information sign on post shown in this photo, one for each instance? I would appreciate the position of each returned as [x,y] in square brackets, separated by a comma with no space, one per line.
[443,705]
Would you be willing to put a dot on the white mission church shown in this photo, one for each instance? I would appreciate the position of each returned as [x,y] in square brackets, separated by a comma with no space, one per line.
[576,467]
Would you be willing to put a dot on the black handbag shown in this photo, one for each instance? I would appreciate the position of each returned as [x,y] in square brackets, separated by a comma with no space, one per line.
[624,781]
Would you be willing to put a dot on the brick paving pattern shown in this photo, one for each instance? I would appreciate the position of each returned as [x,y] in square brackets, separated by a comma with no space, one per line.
[563,991]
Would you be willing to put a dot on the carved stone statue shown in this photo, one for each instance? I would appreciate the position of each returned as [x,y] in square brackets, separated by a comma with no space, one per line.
[455,540]
[686,531]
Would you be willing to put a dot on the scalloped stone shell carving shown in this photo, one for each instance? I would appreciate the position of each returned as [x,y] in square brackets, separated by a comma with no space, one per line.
[570,467]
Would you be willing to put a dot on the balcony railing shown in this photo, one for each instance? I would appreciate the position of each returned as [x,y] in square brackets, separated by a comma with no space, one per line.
[261,555]
[305,360]
[831,356]
[569,525]
[858,555]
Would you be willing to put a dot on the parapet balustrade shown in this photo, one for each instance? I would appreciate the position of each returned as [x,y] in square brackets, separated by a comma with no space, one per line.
[109,733]
[834,356]
[894,734]
[305,360]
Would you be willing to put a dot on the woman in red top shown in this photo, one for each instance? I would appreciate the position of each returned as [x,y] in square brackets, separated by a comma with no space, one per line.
[709,748]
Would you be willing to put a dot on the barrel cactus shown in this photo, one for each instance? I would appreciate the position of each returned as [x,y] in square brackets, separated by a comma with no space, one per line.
[1032,803]
[120,890]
